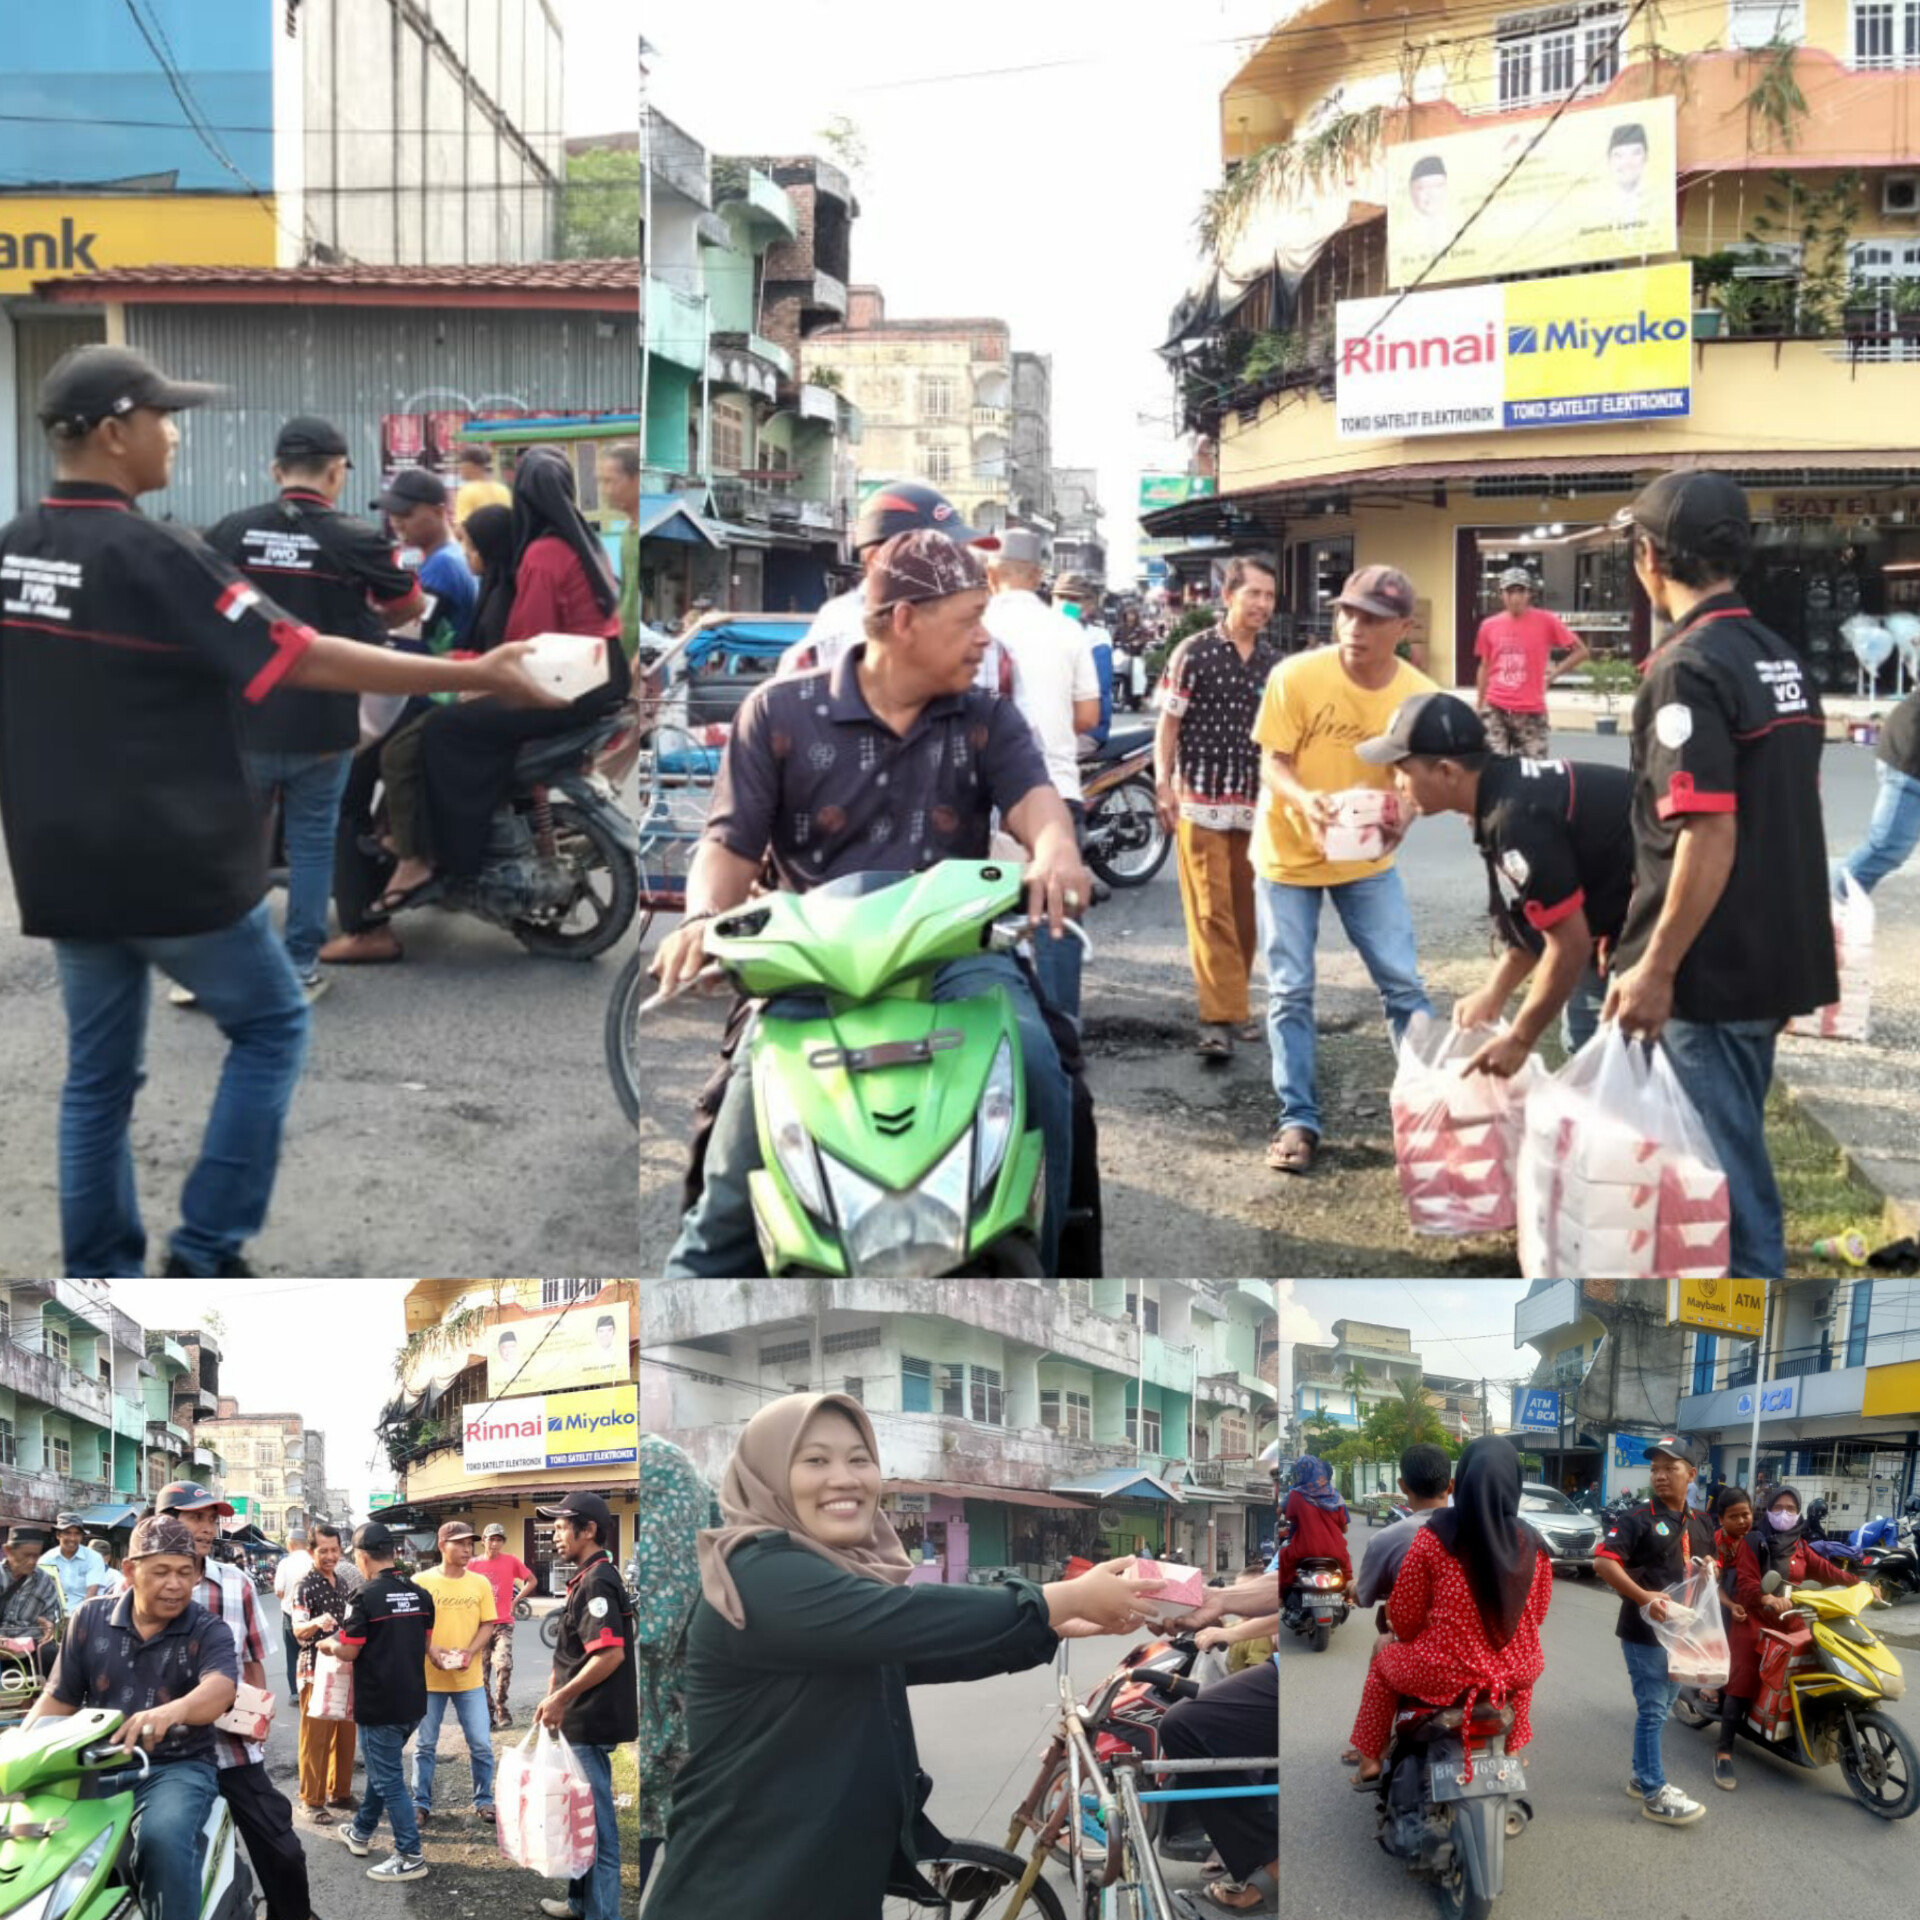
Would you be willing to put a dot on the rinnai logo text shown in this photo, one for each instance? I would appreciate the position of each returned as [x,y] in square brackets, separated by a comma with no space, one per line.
[483,1429]
[1582,336]
[1373,353]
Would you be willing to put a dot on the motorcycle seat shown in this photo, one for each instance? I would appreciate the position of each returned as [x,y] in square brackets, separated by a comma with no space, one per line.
[1318,1561]
[1118,745]
[549,755]
[1429,1723]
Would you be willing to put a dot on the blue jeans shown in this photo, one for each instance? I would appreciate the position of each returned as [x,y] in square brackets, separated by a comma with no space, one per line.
[1892,833]
[1653,1698]
[1726,1067]
[310,786]
[173,1802]
[1057,963]
[717,1240]
[470,1709]
[387,1789]
[1375,914]
[243,980]
[1580,1017]
[596,1894]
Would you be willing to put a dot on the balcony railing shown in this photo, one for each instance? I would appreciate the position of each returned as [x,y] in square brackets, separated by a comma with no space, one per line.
[990,419]
[40,1377]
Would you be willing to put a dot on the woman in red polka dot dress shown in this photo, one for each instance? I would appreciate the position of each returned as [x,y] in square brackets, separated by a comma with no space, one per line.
[1316,1518]
[1466,1608]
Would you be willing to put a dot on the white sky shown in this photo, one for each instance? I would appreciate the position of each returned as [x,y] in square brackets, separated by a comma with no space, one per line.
[320,1348]
[1059,197]
[1459,1326]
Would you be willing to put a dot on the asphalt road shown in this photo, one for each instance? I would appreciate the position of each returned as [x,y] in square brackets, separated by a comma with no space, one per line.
[1588,1854]
[455,1115]
[1182,1141]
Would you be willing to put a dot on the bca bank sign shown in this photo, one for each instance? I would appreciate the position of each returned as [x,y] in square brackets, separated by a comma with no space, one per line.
[1536,1410]
[1779,1399]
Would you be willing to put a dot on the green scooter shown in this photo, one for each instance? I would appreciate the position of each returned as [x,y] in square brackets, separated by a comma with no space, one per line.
[66,1828]
[893,1130]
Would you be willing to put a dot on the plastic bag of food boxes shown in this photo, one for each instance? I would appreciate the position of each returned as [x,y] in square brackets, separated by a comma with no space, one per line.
[1617,1179]
[1456,1136]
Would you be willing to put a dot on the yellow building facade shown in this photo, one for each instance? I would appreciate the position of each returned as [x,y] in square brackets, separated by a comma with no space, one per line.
[1795,199]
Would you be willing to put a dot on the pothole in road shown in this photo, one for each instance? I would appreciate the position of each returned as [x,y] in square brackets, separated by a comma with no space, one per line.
[1120,1036]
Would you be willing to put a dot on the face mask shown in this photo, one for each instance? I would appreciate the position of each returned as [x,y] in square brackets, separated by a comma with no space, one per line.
[1783,1519]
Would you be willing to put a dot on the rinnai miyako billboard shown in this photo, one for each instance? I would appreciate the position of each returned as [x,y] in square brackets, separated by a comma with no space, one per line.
[599,1427]
[1587,349]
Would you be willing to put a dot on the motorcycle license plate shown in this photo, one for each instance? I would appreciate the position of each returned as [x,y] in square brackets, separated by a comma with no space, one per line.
[1326,1612]
[1444,1783]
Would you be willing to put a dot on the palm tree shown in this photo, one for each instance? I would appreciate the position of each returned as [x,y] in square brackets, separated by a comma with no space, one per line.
[1356,1381]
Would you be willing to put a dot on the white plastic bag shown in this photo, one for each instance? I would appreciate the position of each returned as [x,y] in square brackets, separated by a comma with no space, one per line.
[332,1695]
[1846,1018]
[1694,1632]
[1617,1178]
[1456,1136]
[543,1807]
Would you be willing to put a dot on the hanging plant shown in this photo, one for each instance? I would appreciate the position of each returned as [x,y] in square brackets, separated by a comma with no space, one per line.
[1347,142]
[1775,105]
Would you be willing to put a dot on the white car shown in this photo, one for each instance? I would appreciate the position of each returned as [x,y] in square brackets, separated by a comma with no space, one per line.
[1570,1533]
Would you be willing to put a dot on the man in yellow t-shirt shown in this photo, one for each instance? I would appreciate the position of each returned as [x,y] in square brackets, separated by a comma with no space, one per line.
[1315,712]
[473,468]
[463,1617]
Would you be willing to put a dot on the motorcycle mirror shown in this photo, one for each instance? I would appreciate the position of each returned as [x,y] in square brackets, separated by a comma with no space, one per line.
[1772,1583]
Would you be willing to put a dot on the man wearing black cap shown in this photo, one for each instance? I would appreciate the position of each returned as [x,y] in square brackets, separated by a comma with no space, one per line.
[416,504]
[594,1697]
[132,828]
[889,763]
[385,1637]
[1730,932]
[1557,838]
[336,575]
[902,506]
[1648,1549]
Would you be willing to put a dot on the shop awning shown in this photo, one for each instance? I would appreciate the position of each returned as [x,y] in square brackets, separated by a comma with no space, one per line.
[1004,1496]
[109,1514]
[1121,1483]
[671,516]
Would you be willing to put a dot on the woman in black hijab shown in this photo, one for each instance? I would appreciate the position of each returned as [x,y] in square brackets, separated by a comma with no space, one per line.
[488,533]
[1466,1607]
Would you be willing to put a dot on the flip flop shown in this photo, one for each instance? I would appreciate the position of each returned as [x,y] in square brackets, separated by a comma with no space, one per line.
[398,899]
[1292,1150]
[1214,1043]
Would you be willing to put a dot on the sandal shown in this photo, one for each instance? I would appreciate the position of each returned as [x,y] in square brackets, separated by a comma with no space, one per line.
[397,899]
[1292,1150]
[1215,1042]
[1261,1882]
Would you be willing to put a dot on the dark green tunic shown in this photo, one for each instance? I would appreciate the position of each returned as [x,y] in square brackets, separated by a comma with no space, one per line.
[801,1795]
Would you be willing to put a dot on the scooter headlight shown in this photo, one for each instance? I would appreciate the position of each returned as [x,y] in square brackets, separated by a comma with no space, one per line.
[915,1234]
[1858,1676]
[793,1145]
[995,1125]
[58,1900]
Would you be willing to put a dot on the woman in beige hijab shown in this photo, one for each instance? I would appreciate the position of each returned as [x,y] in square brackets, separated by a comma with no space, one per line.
[801,1750]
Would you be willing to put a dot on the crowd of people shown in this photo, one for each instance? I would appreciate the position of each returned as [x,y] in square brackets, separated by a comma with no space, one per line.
[1289,783]
[164,694]
[169,1641]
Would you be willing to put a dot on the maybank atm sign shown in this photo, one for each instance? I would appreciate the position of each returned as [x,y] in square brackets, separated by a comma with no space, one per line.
[1582,350]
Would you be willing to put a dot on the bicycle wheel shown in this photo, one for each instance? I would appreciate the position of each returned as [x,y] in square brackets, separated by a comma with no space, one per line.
[973,1882]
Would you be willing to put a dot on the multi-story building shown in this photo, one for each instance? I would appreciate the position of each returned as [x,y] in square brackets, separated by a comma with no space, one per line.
[1362,1369]
[275,1467]
[510,1394]
[935,398]
[1078,544]
[1774,137]
[235,133]
[1030,483]
[1019,1422]
[196,1399]
[340,1510]
[72,1404]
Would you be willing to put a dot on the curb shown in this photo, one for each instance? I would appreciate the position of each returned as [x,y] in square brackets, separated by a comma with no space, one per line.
[1897,1219]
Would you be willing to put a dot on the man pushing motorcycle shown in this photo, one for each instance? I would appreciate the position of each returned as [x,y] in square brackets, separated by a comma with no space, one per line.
[886,765]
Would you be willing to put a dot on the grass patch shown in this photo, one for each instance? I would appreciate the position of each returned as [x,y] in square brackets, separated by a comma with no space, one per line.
[626,1799]
[1821,1195]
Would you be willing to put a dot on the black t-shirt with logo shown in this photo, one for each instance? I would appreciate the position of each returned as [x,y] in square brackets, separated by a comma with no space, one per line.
[1557,837]
[330,571]
[598,1615]
[1726,721]
[1900,737]
[123,641]
[390,1621]
[1652,1543]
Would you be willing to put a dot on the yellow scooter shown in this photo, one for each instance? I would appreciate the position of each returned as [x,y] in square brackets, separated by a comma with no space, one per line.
[1822,1674]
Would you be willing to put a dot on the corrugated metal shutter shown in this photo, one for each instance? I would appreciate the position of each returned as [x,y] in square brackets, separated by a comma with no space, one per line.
[352,365]
[39,340]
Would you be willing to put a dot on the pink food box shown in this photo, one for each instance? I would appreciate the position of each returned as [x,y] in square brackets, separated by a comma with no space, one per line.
[251,1715]
[1694,1249]
[1181,1591]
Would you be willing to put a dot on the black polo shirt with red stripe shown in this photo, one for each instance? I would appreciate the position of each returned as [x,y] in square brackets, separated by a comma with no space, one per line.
[598,1616]
[1727,721]
[330,571]
[1557,837]
[124,642]
[390,1621]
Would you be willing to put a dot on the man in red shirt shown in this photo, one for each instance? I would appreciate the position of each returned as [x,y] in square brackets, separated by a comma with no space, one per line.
[512,1581]
[1515,649]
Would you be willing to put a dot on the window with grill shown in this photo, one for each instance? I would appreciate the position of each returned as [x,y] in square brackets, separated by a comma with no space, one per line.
[1150,1438]
[557,1293]
[788,1350]
[1152,1321]
[9,1446]
[936,462]
[1541,57]
[56,1455]
[729,436]
[937,395]
[1886,33]
[1067,1414]
[1233,1436]
[852,1342]
[986,1402]
[1763,23]
[54,1340]
[852,1385]
[953,1389]
[916,1385]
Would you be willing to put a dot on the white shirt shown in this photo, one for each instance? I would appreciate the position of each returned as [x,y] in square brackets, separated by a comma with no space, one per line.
[840,626]
[288,1575]
[1053,667]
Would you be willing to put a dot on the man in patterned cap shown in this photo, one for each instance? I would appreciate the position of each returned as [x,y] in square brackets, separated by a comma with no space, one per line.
[155,1642]
[892,762]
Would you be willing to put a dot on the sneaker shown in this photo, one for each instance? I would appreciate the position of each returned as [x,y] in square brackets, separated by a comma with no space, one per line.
[314,984]
[354,1844]
[1635,1791]
[1671,1808]
[1723,1771]
[560,1910]
[400,1866]
[182,997]
[231,1268]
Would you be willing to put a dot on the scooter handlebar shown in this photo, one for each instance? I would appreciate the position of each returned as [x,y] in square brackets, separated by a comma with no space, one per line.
[1174,1686]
